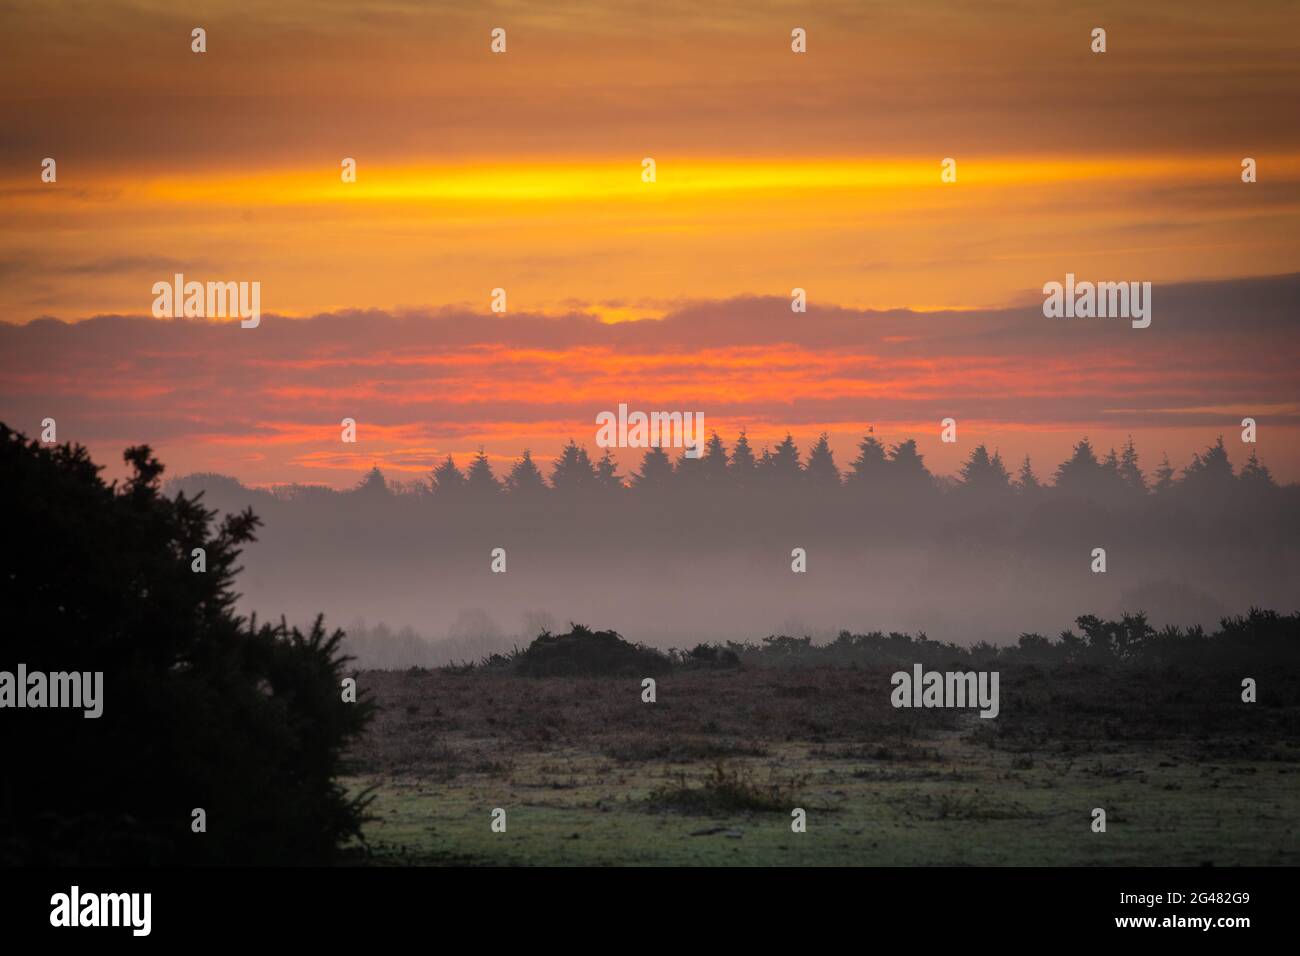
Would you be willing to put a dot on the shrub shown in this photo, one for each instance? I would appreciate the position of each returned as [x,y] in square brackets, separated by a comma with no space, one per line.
[586,653]
[201,708]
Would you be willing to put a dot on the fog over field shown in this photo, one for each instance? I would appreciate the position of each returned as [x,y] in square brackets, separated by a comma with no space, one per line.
[686,555]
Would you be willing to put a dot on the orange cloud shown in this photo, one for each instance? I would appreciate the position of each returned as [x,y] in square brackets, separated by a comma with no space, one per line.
[266,404]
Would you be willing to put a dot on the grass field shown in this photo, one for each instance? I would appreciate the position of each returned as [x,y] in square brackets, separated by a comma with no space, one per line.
[709,774]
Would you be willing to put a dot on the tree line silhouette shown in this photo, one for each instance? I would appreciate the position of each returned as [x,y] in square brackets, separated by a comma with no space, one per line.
[683,549]
[896,471]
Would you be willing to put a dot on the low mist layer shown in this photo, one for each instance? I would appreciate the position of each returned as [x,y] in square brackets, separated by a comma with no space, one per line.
[704,550]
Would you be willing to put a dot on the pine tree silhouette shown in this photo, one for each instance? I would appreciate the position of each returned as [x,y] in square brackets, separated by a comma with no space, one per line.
[446,479]
[984,474]
[870,469]
[820,470]
[743,466]
[573,472]
[1081,474]
[1209,477]
[656,470]
[525,481]
[1255,476]
[373,484]
[1129,472]
[607,477]
[1027,483]
[783,468]
[907,469]
[479,480]
[715,464]
[1164,477]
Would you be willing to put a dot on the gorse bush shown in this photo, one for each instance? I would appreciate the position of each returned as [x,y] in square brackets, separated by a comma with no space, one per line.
[201,708]
[583,652]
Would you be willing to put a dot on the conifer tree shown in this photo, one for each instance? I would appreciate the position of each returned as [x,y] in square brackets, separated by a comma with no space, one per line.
[1027,482]
[573,472]
[784,462]
[1164,477]
[742,466]
[479,479]
[872,463]
[607,477]
[821,469]
[714,463]
[1129,471]
[656,470]
[525,480]
[447,479]
[1255,475]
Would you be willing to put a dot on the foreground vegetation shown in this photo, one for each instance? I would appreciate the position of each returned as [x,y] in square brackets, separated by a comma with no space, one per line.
[220,738]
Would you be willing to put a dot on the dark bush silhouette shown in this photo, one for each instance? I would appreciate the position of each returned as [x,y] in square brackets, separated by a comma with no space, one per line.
[201,708]
[586,653]
[1259,639]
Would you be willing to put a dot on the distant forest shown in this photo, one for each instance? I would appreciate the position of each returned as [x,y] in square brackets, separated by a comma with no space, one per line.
[688,550]
[896,473]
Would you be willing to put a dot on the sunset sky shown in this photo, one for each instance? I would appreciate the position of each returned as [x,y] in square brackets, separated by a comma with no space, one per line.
[523,171]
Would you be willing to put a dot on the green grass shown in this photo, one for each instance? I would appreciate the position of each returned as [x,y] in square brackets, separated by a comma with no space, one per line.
[968,804]
[590,774]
